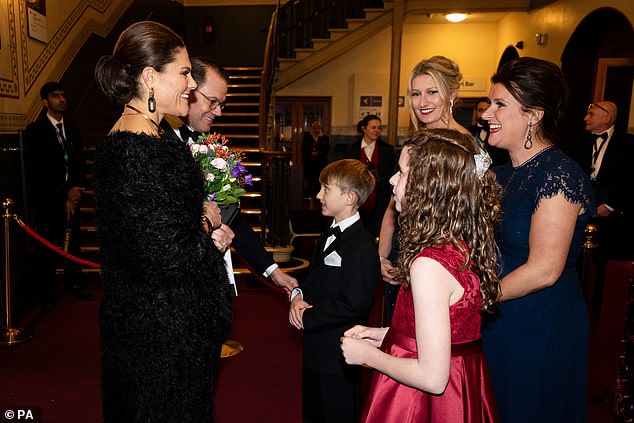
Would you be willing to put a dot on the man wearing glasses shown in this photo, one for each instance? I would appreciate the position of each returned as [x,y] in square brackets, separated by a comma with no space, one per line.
[609,161]
[205,105]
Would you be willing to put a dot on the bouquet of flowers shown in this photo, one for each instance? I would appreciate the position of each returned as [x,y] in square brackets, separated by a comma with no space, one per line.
[223,171]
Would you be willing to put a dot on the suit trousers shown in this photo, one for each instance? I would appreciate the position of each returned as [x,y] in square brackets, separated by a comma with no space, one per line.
[328,398]
[51,224]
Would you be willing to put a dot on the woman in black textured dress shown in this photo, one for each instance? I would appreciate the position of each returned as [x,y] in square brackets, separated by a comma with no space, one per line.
[166,310]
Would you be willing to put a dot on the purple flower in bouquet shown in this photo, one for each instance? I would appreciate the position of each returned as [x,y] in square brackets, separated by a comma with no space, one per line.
[222,169]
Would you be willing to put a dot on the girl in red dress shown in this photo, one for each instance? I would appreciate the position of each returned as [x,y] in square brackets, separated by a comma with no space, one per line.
[429,364]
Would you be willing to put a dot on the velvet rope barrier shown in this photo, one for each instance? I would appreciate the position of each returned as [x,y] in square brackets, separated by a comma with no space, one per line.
[53,247]
[63,253]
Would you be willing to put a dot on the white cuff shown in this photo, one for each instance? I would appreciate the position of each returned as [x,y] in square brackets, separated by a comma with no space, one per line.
[270,270]
[295,292]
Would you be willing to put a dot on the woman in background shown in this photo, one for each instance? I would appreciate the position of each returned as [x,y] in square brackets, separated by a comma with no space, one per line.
[537,345]
[432,89]
[381,159]
[315,149]
[165,311]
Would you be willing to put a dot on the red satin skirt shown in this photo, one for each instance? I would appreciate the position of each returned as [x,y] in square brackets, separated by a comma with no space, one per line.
[468,397]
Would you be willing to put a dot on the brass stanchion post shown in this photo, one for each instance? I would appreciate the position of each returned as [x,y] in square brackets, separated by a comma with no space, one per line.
[9,336]
[588,266]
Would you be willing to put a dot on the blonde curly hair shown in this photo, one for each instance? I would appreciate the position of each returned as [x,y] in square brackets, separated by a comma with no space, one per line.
[447,202]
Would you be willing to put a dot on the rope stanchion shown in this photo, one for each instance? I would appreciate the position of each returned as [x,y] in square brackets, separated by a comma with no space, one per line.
[9,336]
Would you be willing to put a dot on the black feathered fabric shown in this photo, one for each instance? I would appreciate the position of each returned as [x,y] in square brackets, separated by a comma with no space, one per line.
[166,307]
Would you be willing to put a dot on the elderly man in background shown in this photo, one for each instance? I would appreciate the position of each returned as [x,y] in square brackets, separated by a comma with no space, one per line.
[607,159]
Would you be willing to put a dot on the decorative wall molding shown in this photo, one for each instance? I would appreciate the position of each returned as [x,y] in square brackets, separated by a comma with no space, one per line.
[10,87]
[19,99]
[32,70]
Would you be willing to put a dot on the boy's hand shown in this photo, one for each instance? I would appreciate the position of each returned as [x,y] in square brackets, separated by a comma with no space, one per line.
[296,312]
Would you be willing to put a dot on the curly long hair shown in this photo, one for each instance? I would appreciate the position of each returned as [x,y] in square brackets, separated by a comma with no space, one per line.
[447,202]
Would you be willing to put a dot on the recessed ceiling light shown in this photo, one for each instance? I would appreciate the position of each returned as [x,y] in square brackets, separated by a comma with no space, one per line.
[456,17]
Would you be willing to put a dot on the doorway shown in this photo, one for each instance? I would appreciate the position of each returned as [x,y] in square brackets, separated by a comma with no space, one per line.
[597,63]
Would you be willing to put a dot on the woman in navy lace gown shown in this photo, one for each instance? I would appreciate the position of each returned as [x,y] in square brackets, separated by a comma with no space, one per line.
[537,345]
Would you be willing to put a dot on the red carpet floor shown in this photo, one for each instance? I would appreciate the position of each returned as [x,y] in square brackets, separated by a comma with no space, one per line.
[57,374]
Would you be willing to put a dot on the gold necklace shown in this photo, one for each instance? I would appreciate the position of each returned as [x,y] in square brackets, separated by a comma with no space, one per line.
[159,130]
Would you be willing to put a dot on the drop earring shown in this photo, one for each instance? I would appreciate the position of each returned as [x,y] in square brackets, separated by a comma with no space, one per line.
[151,102]
[528,144]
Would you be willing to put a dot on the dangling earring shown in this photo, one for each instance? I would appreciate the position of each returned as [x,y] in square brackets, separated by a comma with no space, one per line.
[528,144]
[151,102]
[451,107]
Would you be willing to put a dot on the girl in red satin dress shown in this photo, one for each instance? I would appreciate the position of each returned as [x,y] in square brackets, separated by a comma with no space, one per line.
[429,364]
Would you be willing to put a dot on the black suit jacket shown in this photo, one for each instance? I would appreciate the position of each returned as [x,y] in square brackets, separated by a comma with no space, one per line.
[246,242]
[45,166]
[615,180]
[498,155]
[341,296]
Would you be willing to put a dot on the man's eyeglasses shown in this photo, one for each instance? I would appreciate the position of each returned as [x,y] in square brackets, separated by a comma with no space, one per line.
[591,105]
[213,102]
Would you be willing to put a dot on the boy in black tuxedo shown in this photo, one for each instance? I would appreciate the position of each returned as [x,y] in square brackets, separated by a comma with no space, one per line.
[336,295]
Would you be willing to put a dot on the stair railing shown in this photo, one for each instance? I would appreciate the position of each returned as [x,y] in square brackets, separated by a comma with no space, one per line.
[266,106]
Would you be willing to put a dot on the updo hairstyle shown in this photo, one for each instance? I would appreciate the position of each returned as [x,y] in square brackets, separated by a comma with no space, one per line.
[141,45]
[445,73]
[536,84]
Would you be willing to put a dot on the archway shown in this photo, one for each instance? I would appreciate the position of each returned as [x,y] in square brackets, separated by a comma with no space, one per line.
[605,33]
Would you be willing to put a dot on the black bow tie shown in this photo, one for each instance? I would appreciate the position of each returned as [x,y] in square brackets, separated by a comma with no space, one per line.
[603,136]
[334,230]
[187,133]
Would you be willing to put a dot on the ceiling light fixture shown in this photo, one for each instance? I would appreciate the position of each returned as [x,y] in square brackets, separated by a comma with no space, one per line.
[456,17]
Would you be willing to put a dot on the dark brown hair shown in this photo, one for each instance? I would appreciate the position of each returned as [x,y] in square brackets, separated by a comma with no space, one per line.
[141,45]
[539,85]
[202,65]
[447,202]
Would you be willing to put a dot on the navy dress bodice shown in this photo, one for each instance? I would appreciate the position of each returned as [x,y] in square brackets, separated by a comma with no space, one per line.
[537,345]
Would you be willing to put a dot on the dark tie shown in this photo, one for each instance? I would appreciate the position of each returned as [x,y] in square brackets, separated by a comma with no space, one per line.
[334,230]
[596,150]
[62,143]
[597,147]
[187,133]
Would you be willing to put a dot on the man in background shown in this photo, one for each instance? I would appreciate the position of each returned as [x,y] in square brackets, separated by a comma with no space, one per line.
[205,105]
[607,157]
[56,177]
[480,130]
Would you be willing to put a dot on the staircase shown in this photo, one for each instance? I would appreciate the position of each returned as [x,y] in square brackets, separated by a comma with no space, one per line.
[239,124]
[302,53]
